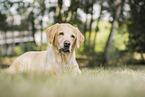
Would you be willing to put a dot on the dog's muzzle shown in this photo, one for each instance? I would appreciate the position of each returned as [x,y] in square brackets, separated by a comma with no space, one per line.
[66,47]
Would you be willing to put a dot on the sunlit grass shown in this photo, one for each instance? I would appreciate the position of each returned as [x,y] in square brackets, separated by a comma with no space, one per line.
[100,82]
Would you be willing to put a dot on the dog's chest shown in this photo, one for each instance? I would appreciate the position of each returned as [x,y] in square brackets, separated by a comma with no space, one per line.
[64,62]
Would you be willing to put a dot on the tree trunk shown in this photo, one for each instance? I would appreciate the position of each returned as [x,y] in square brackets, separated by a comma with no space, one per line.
[142,56]
[13,44]
[41,44]
[90,29]
[112,31]
[58,18]
[5,45]
[85,30]
[22,43]
[97,27]
[33,26]
[41,22]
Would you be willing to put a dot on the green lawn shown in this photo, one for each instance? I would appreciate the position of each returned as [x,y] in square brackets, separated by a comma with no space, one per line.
[99,82]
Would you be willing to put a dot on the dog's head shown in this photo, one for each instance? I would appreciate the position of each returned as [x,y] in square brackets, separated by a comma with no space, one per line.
[64,36]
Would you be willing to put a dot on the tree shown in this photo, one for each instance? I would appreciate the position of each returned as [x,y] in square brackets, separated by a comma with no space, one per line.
[115,15]
[31,19]
[3,23]
[136,27]
[87,7]
[97,26]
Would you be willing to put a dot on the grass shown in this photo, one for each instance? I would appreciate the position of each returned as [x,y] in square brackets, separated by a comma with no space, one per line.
[109,82]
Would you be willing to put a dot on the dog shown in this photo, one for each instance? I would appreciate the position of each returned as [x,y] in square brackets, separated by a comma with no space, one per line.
[60,56]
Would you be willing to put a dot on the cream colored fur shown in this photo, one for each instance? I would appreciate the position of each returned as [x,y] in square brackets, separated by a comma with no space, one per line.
[52,60]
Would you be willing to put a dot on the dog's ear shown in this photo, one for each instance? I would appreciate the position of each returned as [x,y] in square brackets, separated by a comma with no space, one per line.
[80,38]
[51,32]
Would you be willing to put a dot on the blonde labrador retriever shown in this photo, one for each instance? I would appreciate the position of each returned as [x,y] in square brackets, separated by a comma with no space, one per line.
[60,56]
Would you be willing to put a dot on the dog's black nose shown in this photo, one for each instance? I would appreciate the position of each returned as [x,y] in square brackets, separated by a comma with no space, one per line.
[66,43]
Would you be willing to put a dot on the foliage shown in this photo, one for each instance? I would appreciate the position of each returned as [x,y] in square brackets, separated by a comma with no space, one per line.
[36,15]
[136,26]
[3,23]
[18,50]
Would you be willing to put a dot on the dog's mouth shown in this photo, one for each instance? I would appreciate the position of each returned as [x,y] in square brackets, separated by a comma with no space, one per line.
[64,50]
[66,47]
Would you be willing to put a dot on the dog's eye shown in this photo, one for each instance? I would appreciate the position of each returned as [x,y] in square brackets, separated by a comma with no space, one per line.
[61,33]
[73,36]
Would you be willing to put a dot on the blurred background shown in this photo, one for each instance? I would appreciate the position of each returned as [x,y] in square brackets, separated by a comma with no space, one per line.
[114,30]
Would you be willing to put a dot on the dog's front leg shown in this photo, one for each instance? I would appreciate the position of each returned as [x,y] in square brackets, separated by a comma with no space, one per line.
[76,69]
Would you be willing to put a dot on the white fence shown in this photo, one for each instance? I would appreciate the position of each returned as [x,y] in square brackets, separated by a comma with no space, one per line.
[9,39]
